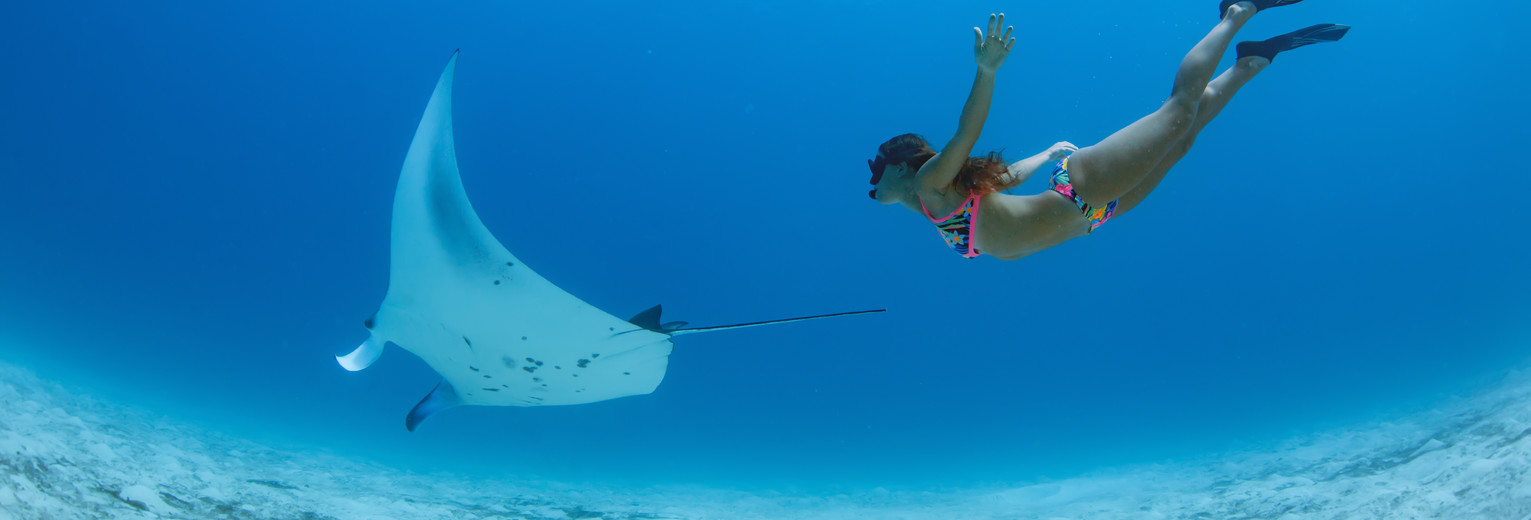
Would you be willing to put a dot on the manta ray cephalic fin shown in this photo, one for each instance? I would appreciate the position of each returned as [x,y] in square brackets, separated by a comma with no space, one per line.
[363,356]
[443,397]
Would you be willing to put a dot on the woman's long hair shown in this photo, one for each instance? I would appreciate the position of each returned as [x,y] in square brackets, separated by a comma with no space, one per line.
[978,174]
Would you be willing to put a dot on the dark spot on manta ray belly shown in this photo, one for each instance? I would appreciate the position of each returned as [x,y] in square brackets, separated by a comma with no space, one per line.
[537,380]
[487,389]
[627,373]
[523,338]
[487,376]
[509,363]
[510,264]
[593,356]
[473,368]
[583,363]
[371,320]
[576,375]
[465,340]
[530,360]
[530,370]
[539,363]
[497,282]
[556,367]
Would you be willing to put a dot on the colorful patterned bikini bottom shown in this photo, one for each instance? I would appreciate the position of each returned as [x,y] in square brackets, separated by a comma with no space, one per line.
[1061,184]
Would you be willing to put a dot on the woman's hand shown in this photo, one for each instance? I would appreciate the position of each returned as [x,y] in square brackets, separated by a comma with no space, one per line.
[991,51]
[1061,150]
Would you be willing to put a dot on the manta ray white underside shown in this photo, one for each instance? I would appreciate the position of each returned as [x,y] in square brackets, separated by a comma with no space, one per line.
[499,334]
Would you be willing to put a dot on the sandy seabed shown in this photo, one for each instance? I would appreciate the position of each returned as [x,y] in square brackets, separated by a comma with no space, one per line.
[63,456]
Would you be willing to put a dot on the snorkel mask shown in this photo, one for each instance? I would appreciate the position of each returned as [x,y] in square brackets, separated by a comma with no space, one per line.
[877,165]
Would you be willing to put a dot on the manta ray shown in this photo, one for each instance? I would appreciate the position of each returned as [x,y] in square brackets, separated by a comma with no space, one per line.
[497,332]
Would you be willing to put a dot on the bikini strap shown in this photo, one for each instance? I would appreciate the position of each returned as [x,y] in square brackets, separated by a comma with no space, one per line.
[972,198]
[927,211]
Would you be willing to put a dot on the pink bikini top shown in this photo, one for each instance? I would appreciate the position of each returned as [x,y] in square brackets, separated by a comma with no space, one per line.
[957,228]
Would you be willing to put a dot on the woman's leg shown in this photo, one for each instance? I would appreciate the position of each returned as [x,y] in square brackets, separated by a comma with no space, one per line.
[1110,169]
[1213,100]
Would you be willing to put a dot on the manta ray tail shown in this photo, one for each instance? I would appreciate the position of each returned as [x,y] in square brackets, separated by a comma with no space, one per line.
[677,332]
[441,398]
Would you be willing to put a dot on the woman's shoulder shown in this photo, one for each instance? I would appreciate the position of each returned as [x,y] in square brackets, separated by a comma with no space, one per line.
[942,201]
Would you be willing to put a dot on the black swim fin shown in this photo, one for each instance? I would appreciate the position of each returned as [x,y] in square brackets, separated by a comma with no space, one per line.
[1324,32]
[1260,5]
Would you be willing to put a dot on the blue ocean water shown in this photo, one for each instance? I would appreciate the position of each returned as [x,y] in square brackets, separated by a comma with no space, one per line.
[194,205]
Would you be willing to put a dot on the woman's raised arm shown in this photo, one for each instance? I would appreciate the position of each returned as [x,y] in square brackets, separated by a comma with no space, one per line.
[990,52]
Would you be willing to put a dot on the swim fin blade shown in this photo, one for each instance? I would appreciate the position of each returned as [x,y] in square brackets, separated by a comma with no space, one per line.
[1260,5]
[1268,49]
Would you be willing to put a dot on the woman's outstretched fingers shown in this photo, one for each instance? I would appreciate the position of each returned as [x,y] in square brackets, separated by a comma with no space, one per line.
[991,49]
[1061,150]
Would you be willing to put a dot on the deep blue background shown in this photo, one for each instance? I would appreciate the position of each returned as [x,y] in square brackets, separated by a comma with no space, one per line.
[194,205]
